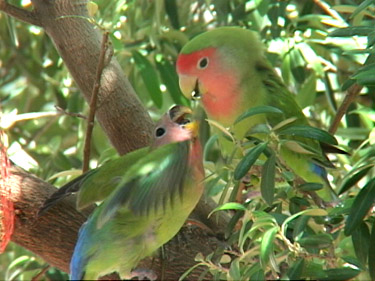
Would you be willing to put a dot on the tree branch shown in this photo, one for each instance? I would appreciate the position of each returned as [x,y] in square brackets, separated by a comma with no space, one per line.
[349,98]
[20,14]
[93,101]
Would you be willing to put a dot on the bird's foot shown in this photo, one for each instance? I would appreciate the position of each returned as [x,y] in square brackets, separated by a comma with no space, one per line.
[143,274]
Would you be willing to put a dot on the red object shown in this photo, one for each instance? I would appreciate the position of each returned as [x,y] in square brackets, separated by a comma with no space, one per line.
[6,205]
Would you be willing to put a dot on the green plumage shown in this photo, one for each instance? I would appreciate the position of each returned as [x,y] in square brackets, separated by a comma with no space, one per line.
[148,205]
[236,77]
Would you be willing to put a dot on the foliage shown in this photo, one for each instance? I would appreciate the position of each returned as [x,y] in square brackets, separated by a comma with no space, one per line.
[319,48]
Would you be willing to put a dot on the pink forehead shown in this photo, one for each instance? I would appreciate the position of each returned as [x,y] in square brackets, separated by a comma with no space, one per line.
[187,61]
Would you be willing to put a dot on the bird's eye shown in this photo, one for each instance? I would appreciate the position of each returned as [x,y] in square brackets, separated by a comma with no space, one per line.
[203,63]
[159,132]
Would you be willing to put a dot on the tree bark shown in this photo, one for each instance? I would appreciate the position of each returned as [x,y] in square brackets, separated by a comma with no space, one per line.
[127,125]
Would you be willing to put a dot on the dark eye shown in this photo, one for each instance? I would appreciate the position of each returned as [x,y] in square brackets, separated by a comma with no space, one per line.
[203,63]
[159,132]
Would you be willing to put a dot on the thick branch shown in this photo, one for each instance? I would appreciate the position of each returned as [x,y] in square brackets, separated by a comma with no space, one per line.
[20,14]
[78,42]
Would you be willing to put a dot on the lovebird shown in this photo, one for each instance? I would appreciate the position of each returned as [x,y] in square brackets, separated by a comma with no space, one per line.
[95,185]
[227,70]
[149,205]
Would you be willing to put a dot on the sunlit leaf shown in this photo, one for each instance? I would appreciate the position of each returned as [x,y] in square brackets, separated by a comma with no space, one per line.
[266,245]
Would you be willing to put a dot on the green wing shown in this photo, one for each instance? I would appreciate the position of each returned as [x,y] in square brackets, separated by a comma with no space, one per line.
[97,186]
[155,181]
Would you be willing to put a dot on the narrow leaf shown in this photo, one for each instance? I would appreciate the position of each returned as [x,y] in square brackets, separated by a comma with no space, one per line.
[267,184]
[309,132]
[149,77]
[266,245]
[310,186]
[248,160]
[170,80]
[361,242]
[295,271]
[355,177]
[228,206]
[340,274]
[258,110]
[318,241]
[360,207]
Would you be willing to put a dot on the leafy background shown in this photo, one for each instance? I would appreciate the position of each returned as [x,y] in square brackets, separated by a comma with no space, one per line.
[320,49]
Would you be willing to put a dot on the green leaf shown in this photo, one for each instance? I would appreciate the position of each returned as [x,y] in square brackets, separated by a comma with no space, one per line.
[371,252]
[338,274]
[172,12]
[234,270]
[150,78]
[267,184]
[360,207]
[361,242]
[351,31]
[355,177]
[310,186]
[266,245]
[295,271]
[228,206]
[170,80]
[248,160]
[318,241]
[258,110]
[310,133]
[362,6]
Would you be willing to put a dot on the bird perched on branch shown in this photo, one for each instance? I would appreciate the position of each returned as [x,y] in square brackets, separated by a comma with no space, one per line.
[227,70]
[148,206]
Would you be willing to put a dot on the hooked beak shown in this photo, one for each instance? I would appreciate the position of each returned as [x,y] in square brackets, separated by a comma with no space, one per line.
[189,86]
[178,114]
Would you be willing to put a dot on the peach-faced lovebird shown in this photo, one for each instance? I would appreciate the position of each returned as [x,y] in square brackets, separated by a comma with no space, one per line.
[227,69]
[96,184]
[149,205]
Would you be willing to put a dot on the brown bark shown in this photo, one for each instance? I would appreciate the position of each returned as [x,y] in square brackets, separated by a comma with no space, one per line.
[127,125]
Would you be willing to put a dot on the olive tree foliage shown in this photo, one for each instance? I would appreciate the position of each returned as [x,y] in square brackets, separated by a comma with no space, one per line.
[324,52]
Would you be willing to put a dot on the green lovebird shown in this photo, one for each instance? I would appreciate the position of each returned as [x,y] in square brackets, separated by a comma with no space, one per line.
[96,184]
[148,206]
[227,69]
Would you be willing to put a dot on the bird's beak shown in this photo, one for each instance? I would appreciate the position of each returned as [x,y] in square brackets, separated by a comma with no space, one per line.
[193,127]
[189,86]
[181,115]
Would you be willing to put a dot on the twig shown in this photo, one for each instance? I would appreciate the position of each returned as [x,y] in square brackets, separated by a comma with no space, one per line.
[72,114]
[325,7]
[349,98]
[20,14]
[93,101]
[41,273]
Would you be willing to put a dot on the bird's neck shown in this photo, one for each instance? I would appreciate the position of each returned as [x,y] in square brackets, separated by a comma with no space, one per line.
[221,99]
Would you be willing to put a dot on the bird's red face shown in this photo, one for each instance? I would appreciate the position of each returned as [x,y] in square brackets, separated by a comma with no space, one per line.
[204,74]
